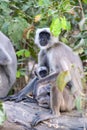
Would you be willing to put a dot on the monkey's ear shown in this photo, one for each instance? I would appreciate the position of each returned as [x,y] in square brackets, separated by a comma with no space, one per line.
[4,57]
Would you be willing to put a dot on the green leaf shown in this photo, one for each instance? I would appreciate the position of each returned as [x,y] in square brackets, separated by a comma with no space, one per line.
[4,5]
[44,2]
[20,53]
[18,74]
[23,52]
[27,53]
[63,23]
[79,50]
[2,113]
[78,103]
[4,1]
[4,27]
[81,44]
[68,26]
[22,73]
[62,79]
[64,40]
[85,1]
[16,28]
[55,27]
[25,7]
[58,24]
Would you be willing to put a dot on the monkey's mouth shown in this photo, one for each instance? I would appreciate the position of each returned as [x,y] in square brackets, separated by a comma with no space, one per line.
[43,43]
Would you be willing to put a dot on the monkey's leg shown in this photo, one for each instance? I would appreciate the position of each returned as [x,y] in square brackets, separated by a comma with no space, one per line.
[55,103]
[40,117]
[43,95]
[44,101]
[21,95]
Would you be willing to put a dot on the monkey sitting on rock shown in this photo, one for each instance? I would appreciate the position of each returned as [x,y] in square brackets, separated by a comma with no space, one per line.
[54,57]
[58,58]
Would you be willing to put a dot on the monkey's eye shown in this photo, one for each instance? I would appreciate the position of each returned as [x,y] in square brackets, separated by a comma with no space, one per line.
[45,34]
[48,36]
[41,34]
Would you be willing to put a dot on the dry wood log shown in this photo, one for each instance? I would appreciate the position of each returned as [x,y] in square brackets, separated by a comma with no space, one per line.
[20,115]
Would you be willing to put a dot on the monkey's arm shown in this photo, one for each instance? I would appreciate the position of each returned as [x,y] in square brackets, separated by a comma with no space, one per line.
[43,96]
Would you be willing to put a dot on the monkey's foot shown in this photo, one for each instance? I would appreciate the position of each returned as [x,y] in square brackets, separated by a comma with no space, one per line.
[18,97]
[40,117]
[53,123]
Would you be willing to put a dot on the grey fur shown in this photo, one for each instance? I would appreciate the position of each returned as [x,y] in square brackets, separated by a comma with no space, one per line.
[8,65]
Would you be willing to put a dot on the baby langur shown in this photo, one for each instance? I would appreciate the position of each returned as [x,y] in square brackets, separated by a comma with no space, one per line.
[58,57]
[41,96]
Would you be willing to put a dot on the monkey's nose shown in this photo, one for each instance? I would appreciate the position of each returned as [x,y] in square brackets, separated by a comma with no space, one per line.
[43,42]
[43,39]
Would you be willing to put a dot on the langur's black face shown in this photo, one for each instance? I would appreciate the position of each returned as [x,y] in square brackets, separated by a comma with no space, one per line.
[44,37]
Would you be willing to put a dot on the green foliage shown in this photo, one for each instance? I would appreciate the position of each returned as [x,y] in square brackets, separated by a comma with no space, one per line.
[43,3]
[23,52]
[16,28]
[59,24]
[85,1]
[56,27]
[20,72]
[2,113]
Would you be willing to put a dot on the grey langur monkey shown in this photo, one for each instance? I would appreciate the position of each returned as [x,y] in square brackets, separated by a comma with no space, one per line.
[8,65]
[53,57]
[58,57]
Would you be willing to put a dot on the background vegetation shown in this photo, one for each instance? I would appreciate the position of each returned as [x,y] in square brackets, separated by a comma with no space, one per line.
[67,19]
